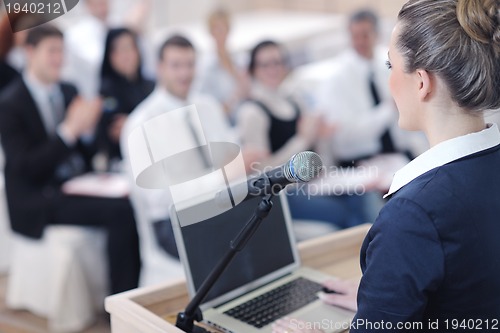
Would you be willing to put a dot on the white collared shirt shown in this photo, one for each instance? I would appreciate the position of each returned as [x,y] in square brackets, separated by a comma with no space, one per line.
[153,204]
[444,153]
[346,100]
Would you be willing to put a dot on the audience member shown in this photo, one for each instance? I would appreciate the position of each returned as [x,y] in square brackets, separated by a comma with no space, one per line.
[222,78]
[123,87]
[357,97]
[274,126]
[43,123]
[176,72]
[85,42]
[270,122]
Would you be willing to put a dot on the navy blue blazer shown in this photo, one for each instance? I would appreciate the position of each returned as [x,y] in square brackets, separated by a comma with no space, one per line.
[433,254]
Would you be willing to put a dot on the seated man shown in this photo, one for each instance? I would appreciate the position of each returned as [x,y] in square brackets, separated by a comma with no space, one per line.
[356,98]
[176,72]
[43,125]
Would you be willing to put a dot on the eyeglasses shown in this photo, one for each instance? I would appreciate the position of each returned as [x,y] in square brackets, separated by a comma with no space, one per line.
[270,64]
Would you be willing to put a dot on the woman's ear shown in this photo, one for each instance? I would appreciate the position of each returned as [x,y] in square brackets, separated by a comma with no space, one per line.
[425,84]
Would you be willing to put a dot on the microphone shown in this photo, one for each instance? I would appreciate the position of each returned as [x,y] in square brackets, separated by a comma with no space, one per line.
[301,168]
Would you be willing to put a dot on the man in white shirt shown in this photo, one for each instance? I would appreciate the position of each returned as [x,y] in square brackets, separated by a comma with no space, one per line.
[356,100]
[176,72]
[357,97]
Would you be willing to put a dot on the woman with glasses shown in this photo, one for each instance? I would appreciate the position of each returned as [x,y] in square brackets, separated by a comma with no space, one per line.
[274,126]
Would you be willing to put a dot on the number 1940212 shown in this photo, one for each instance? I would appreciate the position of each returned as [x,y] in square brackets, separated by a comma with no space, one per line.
[34,8]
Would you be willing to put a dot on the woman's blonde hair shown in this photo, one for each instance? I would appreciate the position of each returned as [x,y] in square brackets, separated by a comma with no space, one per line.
[220,14]
[458,40]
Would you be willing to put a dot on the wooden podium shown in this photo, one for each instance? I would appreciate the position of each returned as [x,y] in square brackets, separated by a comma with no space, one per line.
[154,309]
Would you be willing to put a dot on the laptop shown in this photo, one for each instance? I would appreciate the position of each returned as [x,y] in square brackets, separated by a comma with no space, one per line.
[264,282]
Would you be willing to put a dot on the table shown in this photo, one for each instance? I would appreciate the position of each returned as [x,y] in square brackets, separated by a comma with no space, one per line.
[153,309]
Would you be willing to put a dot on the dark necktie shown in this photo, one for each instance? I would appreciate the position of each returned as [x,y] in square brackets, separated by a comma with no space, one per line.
[386,140]
[56,114]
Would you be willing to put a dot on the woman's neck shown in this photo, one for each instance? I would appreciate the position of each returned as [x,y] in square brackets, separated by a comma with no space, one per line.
[127,77]
[448,125]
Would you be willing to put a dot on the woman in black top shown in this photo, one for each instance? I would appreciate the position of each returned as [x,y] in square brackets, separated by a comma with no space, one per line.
[271,121]
[123,87]
[274,127]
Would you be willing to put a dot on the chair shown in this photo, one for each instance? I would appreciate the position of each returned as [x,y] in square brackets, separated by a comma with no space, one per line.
[62,277]
[157,266]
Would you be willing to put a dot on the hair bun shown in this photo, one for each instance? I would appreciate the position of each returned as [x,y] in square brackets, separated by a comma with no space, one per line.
[480,20]
[496,34]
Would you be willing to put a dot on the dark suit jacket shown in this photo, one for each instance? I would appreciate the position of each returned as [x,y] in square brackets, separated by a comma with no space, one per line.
[433,254]
[7,74]
[31,158]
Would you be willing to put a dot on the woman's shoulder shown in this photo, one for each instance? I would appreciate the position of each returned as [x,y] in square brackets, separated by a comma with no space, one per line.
[450,194]
[253,106]
[454,181]
[432,191]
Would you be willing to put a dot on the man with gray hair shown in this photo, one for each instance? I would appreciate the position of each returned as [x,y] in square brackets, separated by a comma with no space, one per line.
[356,97]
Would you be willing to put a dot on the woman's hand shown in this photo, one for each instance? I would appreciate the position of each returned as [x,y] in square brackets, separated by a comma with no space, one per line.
[253,157]
[116,126]
[345,296]
[81,117]
[327,129]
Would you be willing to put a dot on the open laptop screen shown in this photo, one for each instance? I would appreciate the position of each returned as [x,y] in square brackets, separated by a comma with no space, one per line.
[270,250]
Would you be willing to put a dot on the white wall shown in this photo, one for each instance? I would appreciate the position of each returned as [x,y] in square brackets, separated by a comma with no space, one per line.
[173,12]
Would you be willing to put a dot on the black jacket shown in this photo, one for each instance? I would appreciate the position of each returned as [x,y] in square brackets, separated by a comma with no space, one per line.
[121,96]
[7,74]
[31,159]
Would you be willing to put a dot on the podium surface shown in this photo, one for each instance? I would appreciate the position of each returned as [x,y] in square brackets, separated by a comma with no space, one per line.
[154,309]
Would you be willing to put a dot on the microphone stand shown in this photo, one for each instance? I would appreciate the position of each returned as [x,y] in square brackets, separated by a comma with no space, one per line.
[185,320]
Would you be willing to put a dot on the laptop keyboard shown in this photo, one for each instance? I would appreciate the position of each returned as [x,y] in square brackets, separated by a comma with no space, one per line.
[277,303]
